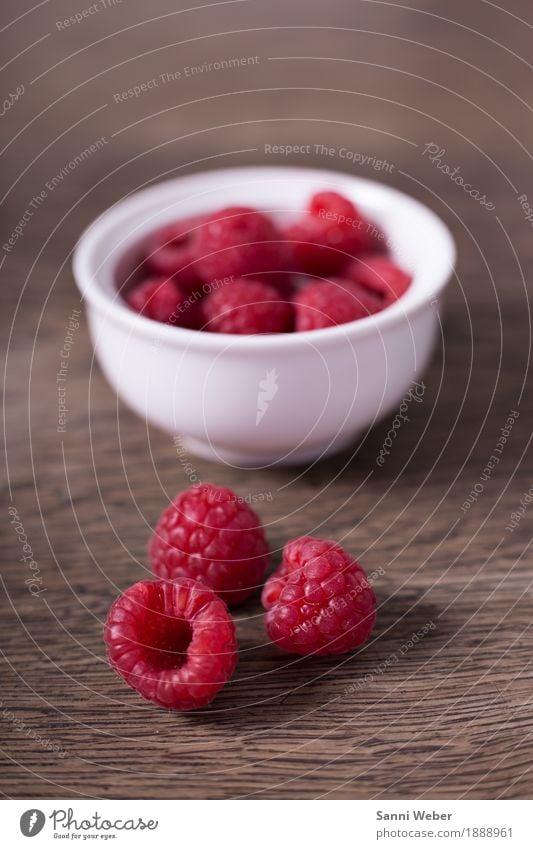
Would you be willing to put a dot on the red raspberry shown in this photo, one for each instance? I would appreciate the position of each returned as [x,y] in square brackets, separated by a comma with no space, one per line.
[357,231]
[334,205]
[172,641]
[282,281]
[325,239]
[319,601]
[375,240]
[337,301]
[246,306]
[311,252]
[164,299]
[380,275]
[169,252]
[210,534]
[238,241]
[366,236]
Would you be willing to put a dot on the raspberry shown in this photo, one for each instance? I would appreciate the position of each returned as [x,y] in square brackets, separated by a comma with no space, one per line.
[238,241]
[164,299]
[246,306]
[282,281]
[337,301]
[380,275]
[312,254]
[375,241]
[358,233]
[319,601]
[328,235]
[172,641]
[169,252]
[334,205]
[210,534]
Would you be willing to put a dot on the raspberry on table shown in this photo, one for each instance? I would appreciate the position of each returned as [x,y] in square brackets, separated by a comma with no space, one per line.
[164,299]
[169,252]
[319,601]
[246,306]
[380,275]
[328,235]
[172,641]
[326,303]
[210,534]
[238,241]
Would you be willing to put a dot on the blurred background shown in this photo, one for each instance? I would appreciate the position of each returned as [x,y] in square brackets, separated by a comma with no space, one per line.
[161,89]
[178,88]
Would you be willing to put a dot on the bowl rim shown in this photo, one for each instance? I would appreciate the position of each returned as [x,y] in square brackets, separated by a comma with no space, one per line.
[115,308]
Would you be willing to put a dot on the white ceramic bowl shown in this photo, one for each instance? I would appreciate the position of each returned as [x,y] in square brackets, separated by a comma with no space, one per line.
[256,400]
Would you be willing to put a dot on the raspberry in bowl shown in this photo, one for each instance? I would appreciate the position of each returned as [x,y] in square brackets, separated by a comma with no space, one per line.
[248,376]
[281,275]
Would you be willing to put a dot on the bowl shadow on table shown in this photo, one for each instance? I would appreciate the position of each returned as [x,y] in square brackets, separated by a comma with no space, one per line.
[437,437]
[360,457]
[267,680]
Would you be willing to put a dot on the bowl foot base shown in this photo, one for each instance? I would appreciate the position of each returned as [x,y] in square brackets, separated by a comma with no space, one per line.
[245,459]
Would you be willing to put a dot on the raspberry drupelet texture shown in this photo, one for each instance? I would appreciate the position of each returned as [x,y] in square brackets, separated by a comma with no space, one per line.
[336,301]
[246,306]
[166,300]
[238,241]
[170,254]
[172,641]
[379,275]
[319,601]
[210,534]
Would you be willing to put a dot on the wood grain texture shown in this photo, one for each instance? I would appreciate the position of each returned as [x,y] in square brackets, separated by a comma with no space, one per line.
[447,715]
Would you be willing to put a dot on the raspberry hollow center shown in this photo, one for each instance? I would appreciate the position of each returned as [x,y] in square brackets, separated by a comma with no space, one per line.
[166,641]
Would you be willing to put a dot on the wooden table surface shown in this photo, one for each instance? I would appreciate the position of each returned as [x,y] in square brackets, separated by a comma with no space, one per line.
[448,713]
